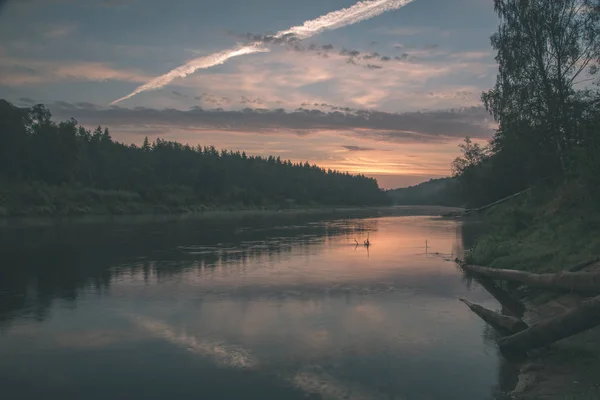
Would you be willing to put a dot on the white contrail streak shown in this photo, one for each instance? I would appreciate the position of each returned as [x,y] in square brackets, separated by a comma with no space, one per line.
[336,19]
[346,16]
[192,66]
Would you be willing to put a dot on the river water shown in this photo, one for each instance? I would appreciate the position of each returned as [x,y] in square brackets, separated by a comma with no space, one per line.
[242,308]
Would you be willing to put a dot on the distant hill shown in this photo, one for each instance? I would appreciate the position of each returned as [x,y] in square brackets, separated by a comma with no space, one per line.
[439,192]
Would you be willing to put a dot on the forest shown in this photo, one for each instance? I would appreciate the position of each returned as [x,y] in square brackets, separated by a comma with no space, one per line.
[49,167]
[546,104]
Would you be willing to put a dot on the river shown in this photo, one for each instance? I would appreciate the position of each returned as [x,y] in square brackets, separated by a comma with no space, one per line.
[242,308]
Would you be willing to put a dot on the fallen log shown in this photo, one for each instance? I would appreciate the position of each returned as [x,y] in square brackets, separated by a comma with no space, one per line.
[584,264]
[505,325]
[576,320]
[473,210]
[583,282]
[509,304]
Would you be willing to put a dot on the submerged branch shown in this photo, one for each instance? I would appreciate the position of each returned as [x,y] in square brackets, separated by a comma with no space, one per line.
[501,323]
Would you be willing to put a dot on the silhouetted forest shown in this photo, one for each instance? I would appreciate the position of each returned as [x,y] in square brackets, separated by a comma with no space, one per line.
[546,103]
[50,166]
[438,192]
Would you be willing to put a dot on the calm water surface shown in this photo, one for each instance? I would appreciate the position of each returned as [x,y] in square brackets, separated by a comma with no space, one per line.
[242,309]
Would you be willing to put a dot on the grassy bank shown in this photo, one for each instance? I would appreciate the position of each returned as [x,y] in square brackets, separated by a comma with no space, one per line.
[41,200]
[547,230]
[541,231]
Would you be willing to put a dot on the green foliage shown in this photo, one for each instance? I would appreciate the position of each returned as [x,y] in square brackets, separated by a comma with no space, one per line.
[37,156]
[547,111]
[472,156]
[540,235]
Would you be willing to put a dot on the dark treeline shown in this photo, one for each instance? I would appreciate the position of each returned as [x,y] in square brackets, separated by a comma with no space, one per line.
[545,100]
[437,192]
[35,150]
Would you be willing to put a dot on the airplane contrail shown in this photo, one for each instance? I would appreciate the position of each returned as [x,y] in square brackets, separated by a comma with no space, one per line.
[192,66]
[360,11]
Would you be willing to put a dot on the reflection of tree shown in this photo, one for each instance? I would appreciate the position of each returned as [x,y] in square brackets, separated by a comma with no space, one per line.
[507,372]
[468,232]
[44,263]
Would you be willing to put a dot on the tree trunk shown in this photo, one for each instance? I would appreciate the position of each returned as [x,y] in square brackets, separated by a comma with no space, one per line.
[584,264]
[503,324]
[583,282]
[471,211]
[574,321]
[509,304]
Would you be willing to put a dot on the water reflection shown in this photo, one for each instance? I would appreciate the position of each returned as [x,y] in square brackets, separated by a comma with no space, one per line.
[230,309]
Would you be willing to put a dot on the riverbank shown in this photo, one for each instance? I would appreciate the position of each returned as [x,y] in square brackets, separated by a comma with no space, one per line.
[547,231]
[41,200]
[100,206]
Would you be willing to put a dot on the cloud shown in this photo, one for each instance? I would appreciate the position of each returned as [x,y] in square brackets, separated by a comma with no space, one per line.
[294,79]
[17,72]
[380,126]
[192,66]
[60,31]
[473,55]
[358,12]
[291,43]
[350,53]
[246,100]
[358,148]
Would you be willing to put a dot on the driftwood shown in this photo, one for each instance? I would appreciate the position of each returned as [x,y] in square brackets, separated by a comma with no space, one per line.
[579,319]
[503,324]
[496,202]
[583,282]
[510,305]
[584,264]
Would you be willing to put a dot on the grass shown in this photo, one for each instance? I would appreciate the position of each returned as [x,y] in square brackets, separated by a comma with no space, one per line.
[592,394]
[41,200]
[547,231]
[542,231]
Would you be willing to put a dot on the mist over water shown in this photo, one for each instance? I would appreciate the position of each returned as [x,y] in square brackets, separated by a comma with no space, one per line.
[242,308]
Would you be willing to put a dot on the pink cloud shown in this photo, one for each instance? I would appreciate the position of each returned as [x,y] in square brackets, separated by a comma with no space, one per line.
[28,72]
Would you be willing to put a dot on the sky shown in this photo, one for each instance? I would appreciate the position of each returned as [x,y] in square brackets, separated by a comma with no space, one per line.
[390,96]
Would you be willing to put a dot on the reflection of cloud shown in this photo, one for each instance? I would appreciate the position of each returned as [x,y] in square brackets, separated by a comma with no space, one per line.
[316,381]
[372,312]
[329,388]
[222,354]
